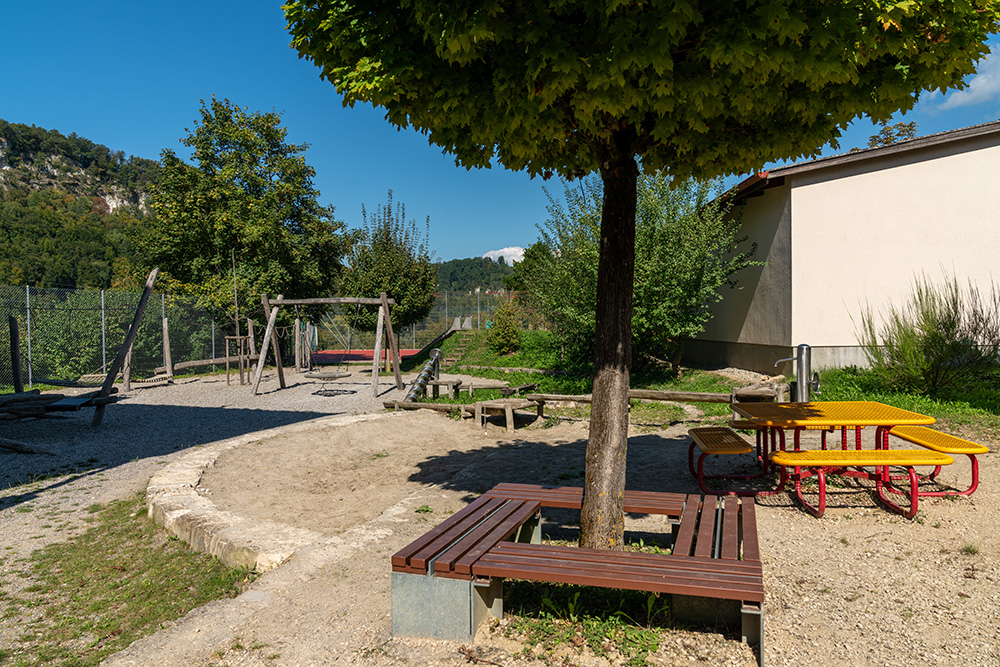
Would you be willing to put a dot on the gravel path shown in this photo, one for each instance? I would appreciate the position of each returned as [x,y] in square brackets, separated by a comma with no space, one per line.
[859,587]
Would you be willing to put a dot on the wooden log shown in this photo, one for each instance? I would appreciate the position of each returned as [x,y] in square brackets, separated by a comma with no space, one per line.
[23,447]
[15,353]
[218,361]
[167,359]
[277,347]
[393,348]
[127,345]
[23,395]
[438,407]
[253,343]
[329,301]
[127,372]
[378,348]
[642,394]
[259,371]
[298,344]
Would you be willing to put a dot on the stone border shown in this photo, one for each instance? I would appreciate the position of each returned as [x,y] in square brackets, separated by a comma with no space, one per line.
[172,500]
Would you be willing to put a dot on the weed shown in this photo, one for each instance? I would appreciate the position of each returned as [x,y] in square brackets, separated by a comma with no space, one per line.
[844,540]
[970,549]
[423,509]
[380,455]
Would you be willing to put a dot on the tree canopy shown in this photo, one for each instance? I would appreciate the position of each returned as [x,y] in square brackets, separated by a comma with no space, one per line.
[699,88]
[249,196]
[390,255]
[463,275]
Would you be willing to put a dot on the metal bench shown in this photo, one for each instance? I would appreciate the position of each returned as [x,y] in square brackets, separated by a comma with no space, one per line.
[946,444]
[720,440]
[713,574]
[820,463]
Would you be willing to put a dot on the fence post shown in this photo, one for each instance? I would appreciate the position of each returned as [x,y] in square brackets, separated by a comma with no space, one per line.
[27,308]
[104,343]
[213,338]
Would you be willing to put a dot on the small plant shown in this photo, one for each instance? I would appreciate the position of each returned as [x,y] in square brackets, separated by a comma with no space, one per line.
[970,549]
[423,509]
[380,455]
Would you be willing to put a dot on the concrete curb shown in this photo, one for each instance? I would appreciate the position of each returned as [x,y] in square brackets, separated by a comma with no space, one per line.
[172,500]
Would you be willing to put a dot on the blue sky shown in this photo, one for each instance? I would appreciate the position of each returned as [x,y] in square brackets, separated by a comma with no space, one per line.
[130,75]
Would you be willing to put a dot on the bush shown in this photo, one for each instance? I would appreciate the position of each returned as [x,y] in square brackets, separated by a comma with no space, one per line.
[505,331]
[941,338]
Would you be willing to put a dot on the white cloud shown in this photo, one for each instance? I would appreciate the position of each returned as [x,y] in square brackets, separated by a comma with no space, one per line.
[983,87]
[510,255]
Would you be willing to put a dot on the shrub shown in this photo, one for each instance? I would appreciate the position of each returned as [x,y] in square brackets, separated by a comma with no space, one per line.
[505,330]
[941,337]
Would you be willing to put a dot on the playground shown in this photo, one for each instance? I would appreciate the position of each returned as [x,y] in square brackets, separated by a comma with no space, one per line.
[345,488]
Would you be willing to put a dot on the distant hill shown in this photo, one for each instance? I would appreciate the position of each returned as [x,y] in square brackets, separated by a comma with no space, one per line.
[33,158]
[463,275]
[69,209]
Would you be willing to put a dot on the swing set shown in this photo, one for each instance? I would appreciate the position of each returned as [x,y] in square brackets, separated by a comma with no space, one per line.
[271,336]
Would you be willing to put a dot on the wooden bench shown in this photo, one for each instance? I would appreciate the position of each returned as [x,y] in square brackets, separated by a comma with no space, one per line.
[713,574]
[720,440]
[452,386]
[819,463]
[502,406]
[946,444]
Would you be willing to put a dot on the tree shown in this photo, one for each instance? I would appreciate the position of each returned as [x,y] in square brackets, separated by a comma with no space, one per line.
[699,89]
[390,256]
[251,198]
[686,252]
[891,134]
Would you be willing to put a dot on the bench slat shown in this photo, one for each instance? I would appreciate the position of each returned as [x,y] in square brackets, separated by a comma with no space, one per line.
[861,458]
[571,497]
[447,555]
[498,533]
[706,528]
[648,572]
[684,540]
[937,441]
[730,529]
[719,440]
[751,545]
[402,558]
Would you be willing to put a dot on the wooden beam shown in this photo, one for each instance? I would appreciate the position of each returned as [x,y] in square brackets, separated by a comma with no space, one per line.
[167,359]
[259,371]
[127,345]
[329,302]
[15,353]
[274,343]
[393,348]
[378,349]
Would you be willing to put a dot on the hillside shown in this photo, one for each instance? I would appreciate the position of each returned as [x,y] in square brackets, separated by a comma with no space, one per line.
[69,209]
[463,275]
[33,158]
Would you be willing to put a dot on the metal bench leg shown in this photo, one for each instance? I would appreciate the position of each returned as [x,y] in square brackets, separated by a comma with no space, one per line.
[968,492]
[439,608]
[752,615]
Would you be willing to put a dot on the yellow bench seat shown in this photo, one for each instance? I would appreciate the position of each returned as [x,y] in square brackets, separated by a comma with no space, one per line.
[809,463]
[947,444]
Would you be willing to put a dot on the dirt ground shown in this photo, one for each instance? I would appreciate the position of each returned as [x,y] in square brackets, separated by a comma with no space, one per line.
[861,586]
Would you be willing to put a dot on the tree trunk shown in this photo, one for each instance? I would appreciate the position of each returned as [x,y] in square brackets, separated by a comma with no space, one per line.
[602,519]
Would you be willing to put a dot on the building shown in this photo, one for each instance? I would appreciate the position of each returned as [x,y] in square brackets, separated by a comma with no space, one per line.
[842,233]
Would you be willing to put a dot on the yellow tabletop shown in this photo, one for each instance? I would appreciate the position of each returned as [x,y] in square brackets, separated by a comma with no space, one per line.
[829,413]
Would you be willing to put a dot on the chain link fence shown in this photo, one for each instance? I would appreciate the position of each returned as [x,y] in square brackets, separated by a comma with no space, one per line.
[69,334]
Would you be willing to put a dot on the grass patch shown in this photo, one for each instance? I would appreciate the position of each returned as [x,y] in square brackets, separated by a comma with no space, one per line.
[557,618]
[117,582]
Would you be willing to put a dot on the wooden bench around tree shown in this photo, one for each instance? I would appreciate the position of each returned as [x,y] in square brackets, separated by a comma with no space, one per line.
[946,444]
[850,462]
[449,580]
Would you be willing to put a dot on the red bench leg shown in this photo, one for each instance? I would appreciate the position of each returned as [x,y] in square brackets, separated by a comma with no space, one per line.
[883,482]
[968,492]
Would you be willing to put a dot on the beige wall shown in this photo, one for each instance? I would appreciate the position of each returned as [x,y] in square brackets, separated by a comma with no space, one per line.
[838,238]
[861,233]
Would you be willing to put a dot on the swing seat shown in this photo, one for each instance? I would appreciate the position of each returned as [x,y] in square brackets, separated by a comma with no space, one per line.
[327,375]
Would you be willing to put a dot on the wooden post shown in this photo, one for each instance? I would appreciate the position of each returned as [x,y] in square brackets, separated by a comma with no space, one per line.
[274,344]
[15,354]
[127,371]
[253,343]
[378,349]
[298,342]
[259,372]
[168,362]
[307,348]
[109,380]
[393,348]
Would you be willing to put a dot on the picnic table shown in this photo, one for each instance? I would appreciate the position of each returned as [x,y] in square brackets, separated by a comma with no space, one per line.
[845,415]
